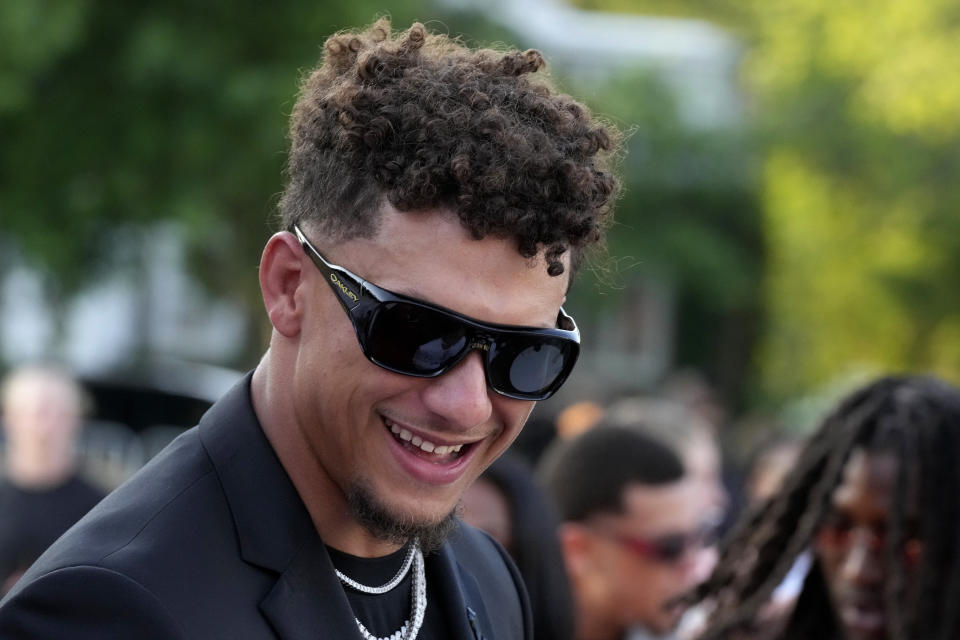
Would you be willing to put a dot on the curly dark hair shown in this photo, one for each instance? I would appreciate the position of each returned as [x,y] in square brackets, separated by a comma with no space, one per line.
[421,120]
[917,418]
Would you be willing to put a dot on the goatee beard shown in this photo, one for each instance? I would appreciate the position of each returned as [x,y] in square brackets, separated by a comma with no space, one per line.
[385,525]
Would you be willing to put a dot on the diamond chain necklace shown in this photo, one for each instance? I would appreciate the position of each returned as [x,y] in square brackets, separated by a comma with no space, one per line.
[418,595]
[392,583]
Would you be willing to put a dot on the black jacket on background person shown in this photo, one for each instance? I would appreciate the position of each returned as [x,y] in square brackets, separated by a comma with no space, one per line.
[31,519]
[211,540]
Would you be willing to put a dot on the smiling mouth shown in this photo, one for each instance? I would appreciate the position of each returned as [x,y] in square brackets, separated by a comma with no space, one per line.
[425,449]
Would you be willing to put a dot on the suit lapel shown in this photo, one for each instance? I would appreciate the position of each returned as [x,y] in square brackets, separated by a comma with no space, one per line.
[466,614]
[273,527]
[307,602]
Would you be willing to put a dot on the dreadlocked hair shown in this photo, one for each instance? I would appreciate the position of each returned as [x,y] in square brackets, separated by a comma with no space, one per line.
[916,419]
[421,120]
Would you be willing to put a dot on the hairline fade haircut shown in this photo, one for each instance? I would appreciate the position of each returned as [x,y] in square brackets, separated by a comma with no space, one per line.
[914,418]
[420,121]
[588,475]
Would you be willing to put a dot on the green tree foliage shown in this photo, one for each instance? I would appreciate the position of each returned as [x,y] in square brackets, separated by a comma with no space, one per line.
[117,114]
[731,14]
[860,105]
[857,106]
[689,215]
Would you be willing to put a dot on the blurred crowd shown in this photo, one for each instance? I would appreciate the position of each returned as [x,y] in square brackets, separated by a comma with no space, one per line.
[629,522]
[849,533]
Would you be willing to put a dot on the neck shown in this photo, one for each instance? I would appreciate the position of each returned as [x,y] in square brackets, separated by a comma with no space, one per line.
[594,628]
[594,620]
[324,499]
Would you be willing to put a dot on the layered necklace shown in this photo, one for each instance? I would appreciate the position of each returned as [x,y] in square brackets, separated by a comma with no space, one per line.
[418,595]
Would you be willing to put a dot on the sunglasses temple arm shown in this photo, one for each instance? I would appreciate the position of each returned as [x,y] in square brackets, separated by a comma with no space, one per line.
[348,288]
[349,291]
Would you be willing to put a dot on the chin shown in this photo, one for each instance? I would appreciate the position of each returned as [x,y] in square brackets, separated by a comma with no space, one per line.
[394,524]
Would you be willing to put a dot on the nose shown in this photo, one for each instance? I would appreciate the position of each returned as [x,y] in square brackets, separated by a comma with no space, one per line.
[862,563]
[460,396]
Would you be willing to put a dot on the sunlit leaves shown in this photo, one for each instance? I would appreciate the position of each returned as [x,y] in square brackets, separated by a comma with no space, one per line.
[858,107]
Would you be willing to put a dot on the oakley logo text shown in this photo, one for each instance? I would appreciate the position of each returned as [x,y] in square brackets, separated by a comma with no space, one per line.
[343,287]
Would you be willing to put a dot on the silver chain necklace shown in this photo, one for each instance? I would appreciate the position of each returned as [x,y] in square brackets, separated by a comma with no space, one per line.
[418,596]
[391,584]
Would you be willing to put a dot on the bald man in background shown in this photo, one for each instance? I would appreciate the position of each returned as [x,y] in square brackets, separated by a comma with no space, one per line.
[41,492]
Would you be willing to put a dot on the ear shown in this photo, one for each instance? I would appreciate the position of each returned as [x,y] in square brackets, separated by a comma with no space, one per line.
[281,273]
[576,543]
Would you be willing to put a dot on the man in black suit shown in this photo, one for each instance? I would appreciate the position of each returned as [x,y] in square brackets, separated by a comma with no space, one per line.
[317,498]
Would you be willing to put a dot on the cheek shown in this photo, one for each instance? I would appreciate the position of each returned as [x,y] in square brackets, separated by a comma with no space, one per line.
[632,576]
[665,582]
[512,415]
[334,403]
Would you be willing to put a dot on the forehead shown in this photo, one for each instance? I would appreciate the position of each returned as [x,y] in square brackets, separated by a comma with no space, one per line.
[430,255]
[31,388]
[868,484]
[667,508]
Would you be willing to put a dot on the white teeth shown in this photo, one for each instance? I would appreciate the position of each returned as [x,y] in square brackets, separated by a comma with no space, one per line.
[424,445]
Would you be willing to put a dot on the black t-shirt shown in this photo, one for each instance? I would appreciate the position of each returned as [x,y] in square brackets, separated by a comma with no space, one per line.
[383,614]
[32,519]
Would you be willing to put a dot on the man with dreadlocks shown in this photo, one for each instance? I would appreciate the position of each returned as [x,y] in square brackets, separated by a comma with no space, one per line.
[875,497]
[438,201]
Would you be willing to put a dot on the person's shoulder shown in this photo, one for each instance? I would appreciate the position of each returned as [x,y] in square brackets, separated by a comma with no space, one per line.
[159,543]
[140,523]
[85,602]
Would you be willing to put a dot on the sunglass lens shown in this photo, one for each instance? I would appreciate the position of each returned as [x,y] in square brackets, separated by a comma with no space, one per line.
[671,548]
[529,367]
[414,339]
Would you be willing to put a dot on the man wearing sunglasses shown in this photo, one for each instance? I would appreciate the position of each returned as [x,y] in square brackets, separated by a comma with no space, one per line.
[438,202]
[635,536]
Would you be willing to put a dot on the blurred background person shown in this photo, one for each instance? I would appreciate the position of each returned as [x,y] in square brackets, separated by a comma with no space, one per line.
[507,503]
[41,492]
[769,465]
[689,435]
[875,496]
[634,532]
[771,462]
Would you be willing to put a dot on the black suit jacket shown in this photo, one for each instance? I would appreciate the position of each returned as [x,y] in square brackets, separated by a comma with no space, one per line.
[211,540]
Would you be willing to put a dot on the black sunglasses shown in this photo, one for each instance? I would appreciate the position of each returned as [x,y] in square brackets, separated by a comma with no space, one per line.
[415,338]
